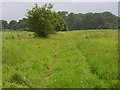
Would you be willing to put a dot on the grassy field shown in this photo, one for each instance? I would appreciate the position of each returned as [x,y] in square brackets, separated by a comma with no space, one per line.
[73,59]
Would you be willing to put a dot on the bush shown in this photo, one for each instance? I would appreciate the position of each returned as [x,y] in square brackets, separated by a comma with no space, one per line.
[43,21]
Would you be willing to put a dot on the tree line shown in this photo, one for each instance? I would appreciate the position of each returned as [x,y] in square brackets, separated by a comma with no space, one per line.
[13,24]
[104,20]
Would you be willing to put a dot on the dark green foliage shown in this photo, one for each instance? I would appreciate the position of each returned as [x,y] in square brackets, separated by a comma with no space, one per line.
[17,78]
[12,37]
[43,21]
[111,21]
[39,20]
[22,23]
[105,20]
[13,24]
[60,24]
[3,24]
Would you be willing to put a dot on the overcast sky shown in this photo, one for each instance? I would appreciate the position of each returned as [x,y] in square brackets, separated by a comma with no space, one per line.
[17,10]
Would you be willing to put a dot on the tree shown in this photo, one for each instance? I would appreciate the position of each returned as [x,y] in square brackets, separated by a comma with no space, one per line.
[64,14]
[42,20]
[110,20]
[22,23]
[60,23]
[105,20]
[13,25]
[4,24]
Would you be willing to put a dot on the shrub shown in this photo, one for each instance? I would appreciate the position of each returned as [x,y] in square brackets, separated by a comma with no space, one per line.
[43,21]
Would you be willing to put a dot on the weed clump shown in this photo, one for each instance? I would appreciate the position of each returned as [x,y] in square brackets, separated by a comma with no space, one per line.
[30,35]
[18,36]
[12,37]
[17,78]
[86,37]
[6,38]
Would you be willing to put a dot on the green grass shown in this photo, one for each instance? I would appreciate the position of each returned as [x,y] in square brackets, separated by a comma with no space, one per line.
[74,59]
[1,60]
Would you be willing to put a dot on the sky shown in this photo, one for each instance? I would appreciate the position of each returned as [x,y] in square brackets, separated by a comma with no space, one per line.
[60,0]
[17,10]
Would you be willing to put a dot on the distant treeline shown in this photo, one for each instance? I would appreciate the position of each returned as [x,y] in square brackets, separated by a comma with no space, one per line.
[13,24]
[104,20]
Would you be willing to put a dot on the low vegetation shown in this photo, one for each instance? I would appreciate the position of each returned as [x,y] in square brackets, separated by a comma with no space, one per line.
[72,59]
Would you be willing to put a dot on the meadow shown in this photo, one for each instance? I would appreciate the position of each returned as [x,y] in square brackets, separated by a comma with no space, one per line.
[71,59]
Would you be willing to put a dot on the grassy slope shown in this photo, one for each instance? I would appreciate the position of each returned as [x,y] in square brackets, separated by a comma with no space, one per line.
[66,59]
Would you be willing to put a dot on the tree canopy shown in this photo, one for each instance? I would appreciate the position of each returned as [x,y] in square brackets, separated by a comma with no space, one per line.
[43,21]
[105,20]
[4,24]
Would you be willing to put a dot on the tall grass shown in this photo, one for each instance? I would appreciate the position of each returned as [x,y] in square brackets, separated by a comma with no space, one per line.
[76,59]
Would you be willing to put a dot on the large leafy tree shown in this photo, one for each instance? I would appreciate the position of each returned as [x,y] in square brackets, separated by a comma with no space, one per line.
[13,25]
[21,23]
[43,21]
[3,24]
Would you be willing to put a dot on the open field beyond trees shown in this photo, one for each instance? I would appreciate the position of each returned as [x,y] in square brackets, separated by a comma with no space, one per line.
[71,59]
